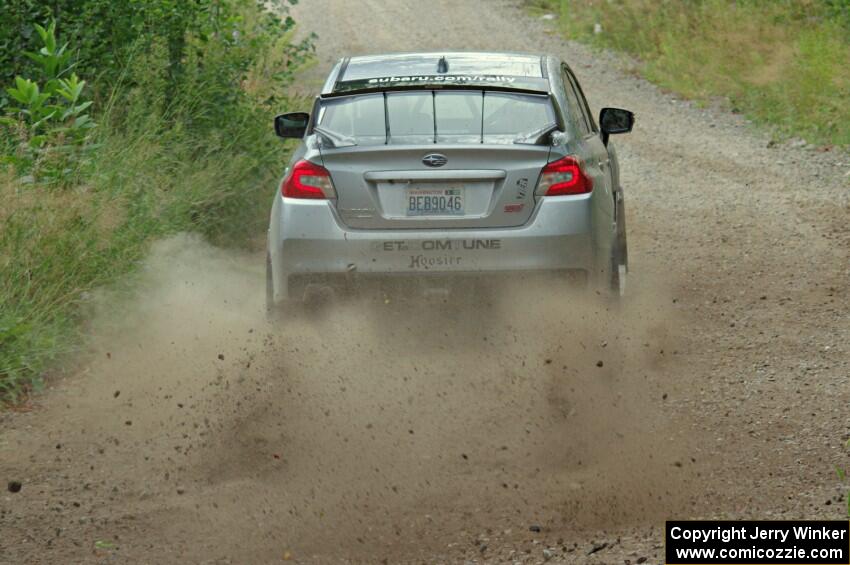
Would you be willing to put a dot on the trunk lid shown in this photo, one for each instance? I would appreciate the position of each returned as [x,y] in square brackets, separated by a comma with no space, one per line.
[392,187]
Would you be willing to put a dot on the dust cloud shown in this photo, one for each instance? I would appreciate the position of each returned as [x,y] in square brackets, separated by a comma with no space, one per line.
[371,427]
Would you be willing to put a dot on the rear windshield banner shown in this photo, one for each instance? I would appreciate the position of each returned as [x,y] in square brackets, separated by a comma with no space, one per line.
[484,81]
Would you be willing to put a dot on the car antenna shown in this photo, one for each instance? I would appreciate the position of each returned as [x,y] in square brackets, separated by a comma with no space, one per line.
[442,65]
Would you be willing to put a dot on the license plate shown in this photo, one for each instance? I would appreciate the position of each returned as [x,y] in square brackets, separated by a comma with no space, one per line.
[435,201]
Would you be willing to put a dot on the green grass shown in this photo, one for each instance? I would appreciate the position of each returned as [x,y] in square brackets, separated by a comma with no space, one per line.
[56,246]
[781,62]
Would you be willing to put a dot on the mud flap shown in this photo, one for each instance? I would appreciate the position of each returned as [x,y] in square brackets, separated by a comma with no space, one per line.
[620,252]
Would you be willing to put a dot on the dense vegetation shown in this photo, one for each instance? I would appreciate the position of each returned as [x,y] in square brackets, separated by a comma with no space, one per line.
[123,122]
[782,62]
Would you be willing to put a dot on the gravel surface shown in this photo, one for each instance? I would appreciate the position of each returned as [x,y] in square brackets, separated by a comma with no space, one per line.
[195,433]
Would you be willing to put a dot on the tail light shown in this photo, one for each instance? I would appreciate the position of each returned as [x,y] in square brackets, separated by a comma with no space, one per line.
[564,176]
[308,180]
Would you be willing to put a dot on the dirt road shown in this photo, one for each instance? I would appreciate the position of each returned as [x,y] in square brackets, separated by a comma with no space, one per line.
[195,433]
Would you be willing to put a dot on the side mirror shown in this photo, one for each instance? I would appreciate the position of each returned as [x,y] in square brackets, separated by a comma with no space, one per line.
[292,125]
[615,120]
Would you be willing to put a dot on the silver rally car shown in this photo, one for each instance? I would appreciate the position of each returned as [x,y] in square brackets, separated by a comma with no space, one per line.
[420,164]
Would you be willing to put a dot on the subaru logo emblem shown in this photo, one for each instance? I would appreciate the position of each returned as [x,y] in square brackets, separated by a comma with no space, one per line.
[434,160]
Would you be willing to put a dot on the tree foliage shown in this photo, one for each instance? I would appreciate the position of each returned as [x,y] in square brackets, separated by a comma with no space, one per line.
[173,62]
[106,34]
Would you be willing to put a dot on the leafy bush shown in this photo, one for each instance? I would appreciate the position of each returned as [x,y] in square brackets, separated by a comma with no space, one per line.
[183,143]
[106,34]
[49,120]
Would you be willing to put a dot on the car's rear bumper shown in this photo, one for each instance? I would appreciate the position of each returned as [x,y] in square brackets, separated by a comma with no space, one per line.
[307,238]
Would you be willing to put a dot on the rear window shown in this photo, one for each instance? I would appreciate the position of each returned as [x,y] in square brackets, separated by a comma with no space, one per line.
[436,117]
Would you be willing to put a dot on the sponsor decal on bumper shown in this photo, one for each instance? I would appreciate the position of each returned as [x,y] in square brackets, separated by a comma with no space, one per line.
[438,245]
[425,262]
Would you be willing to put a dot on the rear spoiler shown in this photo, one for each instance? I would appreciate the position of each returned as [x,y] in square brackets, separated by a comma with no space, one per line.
[528,85]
